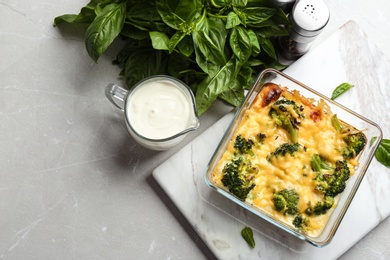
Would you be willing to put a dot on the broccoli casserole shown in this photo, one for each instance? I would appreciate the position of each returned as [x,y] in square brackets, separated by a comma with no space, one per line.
[291,157]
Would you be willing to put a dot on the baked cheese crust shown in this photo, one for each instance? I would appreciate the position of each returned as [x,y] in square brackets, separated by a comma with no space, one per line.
[316,135]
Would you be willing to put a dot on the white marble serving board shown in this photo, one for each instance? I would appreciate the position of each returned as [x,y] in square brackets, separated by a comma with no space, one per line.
[346,56]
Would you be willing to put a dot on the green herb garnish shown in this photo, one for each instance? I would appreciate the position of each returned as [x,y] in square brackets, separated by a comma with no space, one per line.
[382,154]
[247,234]
[341,89]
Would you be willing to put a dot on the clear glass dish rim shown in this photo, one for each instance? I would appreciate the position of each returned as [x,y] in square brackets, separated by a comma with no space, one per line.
[264,215]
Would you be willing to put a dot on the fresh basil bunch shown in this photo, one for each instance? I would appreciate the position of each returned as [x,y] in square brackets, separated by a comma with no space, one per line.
[217,47]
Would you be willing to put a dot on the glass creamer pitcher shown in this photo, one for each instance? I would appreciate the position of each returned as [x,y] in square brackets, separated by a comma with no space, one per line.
[159,110]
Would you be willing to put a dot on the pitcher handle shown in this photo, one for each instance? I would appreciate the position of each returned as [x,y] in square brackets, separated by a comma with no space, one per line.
[116,95]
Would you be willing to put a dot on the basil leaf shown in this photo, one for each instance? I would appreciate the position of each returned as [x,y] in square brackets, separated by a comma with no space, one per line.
[178,14]
[234,95]
[209,42]
[273,31]
[280,17]
[187,9]
[169,17]
[247,234]
[160,41]
[143,11]
[177,65]
[144,62]
[232,20]
[245,76]
[211,87]
[123,55]
[129,49]
[206,64]
[134,32]
[256,15]
[86,15]
[269,29]
[239,3]
[342,88]
[104,29]
[240,42]
[257,3]
[217,33]
[211,38]
[382,154]
[268,48]
[254,62]
[186,46]
[175,40]
[276,65]
[254,42]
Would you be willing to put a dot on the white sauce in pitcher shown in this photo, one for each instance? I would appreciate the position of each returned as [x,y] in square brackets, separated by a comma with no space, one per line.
[159,109]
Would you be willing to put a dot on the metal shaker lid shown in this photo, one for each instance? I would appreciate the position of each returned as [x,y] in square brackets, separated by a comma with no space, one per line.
[285,5]
[282,2]
[309,17]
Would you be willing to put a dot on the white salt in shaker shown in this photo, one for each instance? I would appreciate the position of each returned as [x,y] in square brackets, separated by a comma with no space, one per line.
[308,18]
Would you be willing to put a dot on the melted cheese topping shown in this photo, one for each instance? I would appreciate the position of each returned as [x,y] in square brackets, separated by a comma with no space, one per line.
[316,134]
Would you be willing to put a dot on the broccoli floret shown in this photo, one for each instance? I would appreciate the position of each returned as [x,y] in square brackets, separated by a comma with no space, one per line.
[355,144]
[341,175]
[238,176]
[286,201]
[322,207]
[243,146]
[318,163]
[330,185]
[333,184]
[322,182]
[286,148]
[309,209]
[287,114]
[301,222]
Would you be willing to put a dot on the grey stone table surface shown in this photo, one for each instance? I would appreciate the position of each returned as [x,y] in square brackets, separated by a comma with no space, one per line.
[73,184]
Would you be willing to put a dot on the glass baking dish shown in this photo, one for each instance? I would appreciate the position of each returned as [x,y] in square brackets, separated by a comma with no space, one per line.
[348,116]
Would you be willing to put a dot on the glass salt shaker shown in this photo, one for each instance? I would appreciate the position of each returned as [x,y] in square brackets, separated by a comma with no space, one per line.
[308,18]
